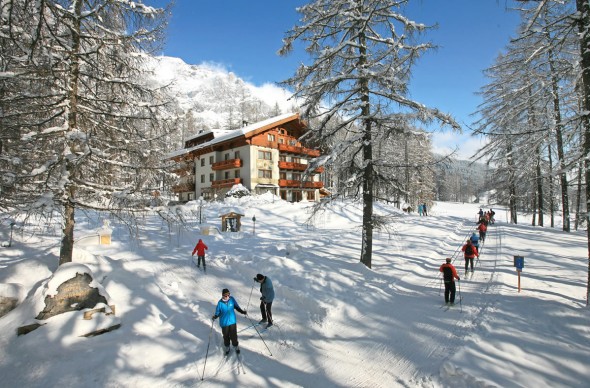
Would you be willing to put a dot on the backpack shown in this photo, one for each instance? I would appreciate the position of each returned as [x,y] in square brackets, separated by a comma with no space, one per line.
[447,274]
[469,250]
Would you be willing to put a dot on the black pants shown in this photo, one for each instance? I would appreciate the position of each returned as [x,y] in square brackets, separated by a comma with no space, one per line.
[230,333]
[199,261]
[482,236]
[468,261]
[266,311]
[450,289]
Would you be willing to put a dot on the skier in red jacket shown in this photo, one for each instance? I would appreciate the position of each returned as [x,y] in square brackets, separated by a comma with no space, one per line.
[482,231]
[449,276]
[200,250]
[470,252]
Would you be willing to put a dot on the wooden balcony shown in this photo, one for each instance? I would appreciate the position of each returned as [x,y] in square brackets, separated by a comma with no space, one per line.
[306,185]
[227,164]
[183,188]
[292,166]
[226,182]
[298,167]
[299,150]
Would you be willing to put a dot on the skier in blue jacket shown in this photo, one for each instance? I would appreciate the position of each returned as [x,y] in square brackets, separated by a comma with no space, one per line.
[227,319]
[475,240]
[268,295]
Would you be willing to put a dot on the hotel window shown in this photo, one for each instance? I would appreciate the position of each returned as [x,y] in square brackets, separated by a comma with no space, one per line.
[226,156]
[271,137]
[237,155]
[265,174]
[236,173]
[266,155]
[203,178]
[203,162]
[211,177]
[210,159]
[226,175]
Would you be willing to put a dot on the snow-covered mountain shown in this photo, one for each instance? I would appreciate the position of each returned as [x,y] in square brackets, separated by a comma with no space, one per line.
[209,96]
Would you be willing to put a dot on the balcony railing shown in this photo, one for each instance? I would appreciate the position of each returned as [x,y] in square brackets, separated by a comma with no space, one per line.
[298,150]
[226,182]
[307,185]
[292,166]
[226,164]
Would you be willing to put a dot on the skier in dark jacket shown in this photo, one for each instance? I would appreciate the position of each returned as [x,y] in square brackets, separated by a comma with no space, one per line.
[200,249]
[227,319]
[449,276]
[268,295]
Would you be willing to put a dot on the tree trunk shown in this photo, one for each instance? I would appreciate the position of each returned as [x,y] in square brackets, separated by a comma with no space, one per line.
[583,8]
[579,195]
[67,242]
[367,235]
[539,187]
[511,186]
[565,205]
[551,188]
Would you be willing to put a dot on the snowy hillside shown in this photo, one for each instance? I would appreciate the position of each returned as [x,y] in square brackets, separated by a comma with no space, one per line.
[338,323]
[212,94]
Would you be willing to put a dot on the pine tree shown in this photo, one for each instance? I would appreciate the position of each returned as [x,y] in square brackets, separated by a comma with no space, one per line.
[362,55]
[83,128]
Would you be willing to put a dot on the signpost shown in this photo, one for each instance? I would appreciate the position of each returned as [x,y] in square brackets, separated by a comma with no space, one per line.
[519,264]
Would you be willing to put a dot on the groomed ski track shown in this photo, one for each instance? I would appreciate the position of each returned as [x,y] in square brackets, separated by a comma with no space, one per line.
[400,356]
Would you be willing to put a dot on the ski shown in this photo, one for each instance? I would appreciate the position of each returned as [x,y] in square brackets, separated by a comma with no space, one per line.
[249,327]
[263,330]
[241,369]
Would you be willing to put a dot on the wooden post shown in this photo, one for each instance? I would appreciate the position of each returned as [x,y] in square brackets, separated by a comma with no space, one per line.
[518,271]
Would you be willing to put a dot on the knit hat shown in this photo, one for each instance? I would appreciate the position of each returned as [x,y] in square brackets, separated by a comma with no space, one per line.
[225,291]
[259,277]
[448,259]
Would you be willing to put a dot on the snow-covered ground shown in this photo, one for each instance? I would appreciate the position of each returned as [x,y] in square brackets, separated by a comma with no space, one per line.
[338,323]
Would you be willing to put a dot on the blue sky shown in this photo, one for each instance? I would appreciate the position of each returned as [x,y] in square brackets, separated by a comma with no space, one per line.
[244,37]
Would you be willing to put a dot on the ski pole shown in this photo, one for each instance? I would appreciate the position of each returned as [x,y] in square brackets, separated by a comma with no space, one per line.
[207,353]
[460,297]
[258,332]
[250,297]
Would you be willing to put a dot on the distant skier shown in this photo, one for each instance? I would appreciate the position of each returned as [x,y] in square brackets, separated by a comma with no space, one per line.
[424,209]
[268,295]
[227,319]
[420,210]
[449,276]
[482,228]
[200,249]
[470,253]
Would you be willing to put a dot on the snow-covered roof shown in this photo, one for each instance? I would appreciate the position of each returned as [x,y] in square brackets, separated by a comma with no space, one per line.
[234,134]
